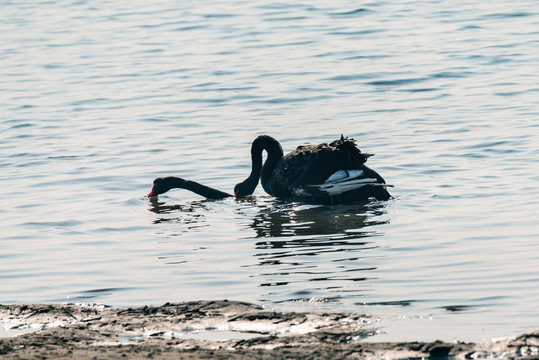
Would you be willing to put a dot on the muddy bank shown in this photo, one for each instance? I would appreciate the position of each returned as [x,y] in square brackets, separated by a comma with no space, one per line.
[218,329]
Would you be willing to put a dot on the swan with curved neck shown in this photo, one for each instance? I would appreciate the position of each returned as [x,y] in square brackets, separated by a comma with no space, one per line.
[275,154]
[327,173]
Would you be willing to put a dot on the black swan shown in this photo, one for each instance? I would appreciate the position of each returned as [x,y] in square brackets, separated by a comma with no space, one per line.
[325,174]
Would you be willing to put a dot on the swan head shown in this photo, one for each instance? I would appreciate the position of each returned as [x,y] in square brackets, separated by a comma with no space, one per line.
[163,184]
[244,188]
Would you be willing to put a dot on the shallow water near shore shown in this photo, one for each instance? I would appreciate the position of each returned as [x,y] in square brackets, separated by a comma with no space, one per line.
[99,99]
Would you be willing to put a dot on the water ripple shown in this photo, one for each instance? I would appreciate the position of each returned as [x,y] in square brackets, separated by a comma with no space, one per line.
[100,99]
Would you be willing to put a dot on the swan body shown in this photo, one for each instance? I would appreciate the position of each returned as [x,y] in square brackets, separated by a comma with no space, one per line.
[327,173]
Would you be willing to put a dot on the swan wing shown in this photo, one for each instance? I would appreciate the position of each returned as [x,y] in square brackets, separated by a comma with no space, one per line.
[339,183]
[344,175]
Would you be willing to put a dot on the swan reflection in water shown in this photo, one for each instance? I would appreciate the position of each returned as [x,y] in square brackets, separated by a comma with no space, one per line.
[316,252]
[280,219]
[293,219]
[302,251]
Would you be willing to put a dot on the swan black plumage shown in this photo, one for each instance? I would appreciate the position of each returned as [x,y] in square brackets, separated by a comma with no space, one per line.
[331,173]
[327,173]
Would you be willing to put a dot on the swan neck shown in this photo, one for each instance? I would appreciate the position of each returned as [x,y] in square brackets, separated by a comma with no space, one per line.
[274,151]
[206,191]
[197,188]
[275,154]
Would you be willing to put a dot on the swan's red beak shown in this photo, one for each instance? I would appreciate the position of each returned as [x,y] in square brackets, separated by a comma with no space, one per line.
[236,195]
[152,193]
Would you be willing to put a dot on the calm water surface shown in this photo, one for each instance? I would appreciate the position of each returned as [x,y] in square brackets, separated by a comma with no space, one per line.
[99,98]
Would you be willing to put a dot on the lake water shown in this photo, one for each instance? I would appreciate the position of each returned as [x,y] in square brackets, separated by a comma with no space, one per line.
[99,98]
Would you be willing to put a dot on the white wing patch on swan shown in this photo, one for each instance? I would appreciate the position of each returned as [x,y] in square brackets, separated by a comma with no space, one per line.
[342,175]
[340,182]
[345,186]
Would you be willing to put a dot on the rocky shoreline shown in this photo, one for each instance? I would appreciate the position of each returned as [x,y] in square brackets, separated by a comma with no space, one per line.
[219,329]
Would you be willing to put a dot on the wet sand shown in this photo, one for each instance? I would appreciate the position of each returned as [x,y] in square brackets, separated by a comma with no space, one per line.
[218,330]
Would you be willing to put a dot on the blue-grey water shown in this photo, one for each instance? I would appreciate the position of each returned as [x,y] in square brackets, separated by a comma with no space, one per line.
[98,98]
